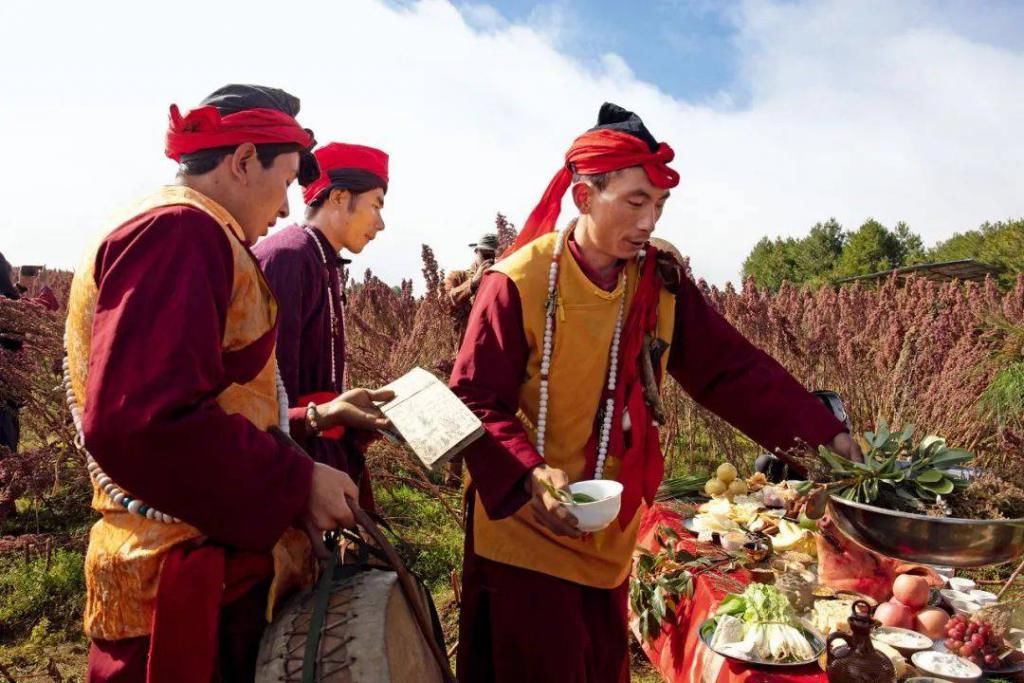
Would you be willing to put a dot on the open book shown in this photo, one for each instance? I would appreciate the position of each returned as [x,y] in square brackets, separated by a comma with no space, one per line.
[429,419]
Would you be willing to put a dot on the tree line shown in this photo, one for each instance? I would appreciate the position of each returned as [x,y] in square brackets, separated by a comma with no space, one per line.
[829,252]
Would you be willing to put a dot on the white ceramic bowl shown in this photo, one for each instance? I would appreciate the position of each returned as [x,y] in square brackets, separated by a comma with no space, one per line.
[983,597]
[937,664]
[605,508]
[951,595]
[959,583]
[904,640]
[965,607]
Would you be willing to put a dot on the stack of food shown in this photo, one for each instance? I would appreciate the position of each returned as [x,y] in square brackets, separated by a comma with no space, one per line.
[760,626]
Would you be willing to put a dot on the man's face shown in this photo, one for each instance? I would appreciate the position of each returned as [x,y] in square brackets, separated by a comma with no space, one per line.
[625,213]
[483,255]
[364,220]
[266,193]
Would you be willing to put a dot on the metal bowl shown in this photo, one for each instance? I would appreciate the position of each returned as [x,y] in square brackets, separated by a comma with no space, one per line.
[943,541]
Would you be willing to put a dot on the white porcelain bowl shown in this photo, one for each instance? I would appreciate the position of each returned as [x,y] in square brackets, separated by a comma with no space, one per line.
[607,497]
[965,607]
[946,666]
[983,597]
[951,595]
[962,584]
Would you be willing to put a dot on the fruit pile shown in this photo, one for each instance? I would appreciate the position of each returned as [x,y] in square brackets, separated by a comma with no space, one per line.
[975,640]
[725,483]
[908,608]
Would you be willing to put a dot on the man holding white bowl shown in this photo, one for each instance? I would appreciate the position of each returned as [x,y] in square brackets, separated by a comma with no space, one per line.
[568,341]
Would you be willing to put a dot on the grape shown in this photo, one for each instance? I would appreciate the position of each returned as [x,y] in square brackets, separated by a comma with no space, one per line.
[977,641]
[991,661]
[967,650]
[952,644]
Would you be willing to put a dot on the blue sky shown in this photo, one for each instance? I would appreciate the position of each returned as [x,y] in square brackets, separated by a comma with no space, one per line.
[782,113]
[685,46]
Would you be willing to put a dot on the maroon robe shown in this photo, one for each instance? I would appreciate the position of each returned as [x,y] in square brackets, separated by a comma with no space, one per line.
[151,420]
[301,283]
[503,628]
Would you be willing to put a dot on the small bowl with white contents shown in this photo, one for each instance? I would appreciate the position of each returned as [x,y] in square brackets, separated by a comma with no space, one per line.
[946,666]
[951,596]
[905,641]
[983,597]
[965,607]
[962,584]
[596,503]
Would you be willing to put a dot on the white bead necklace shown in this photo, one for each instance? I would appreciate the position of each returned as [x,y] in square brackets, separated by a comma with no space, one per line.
[106,484]
[545,363]
[330,303]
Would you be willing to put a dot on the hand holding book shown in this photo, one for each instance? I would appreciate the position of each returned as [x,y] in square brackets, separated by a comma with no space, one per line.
[428,418]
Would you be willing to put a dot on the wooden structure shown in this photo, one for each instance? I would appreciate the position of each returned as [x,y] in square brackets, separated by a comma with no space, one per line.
[967,270]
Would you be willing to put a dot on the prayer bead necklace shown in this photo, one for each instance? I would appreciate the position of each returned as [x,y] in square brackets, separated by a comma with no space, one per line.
[545,363]
[106,484]
[330,303]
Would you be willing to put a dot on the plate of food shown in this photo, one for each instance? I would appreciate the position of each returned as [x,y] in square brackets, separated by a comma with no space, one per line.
[760,627]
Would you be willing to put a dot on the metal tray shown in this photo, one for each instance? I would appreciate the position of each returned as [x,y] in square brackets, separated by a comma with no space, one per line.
[942,541]
[707,630]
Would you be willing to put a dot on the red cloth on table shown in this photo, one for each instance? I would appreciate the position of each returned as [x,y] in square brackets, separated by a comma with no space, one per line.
[678,653]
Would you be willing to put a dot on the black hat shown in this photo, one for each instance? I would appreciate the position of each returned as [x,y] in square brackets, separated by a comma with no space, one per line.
[487,242]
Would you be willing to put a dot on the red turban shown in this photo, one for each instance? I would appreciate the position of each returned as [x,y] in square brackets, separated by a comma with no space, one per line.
[601,150]
[206,128]
[351,167]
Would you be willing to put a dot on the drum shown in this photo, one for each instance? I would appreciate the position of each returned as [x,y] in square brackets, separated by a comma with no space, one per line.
[369,635]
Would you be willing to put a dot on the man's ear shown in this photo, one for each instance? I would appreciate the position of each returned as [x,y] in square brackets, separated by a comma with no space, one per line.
[582,193]
[241,160]
[339,197]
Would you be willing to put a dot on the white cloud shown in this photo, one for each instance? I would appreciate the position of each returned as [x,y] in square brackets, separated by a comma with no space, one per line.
[851,109]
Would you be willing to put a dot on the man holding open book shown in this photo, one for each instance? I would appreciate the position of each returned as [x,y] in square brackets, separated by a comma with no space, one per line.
[304,269]
[565,350]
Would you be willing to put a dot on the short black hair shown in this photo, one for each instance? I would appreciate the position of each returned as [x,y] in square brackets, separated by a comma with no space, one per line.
[598,180]
[204,161]
[313,209]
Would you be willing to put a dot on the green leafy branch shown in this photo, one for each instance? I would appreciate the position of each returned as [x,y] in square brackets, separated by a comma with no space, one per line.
[664,580]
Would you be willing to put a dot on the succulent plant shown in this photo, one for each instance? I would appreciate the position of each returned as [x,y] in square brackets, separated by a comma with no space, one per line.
[896,473]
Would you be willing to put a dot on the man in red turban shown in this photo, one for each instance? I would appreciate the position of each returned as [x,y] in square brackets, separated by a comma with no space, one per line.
[173,386]
[567,344]
[303,266]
